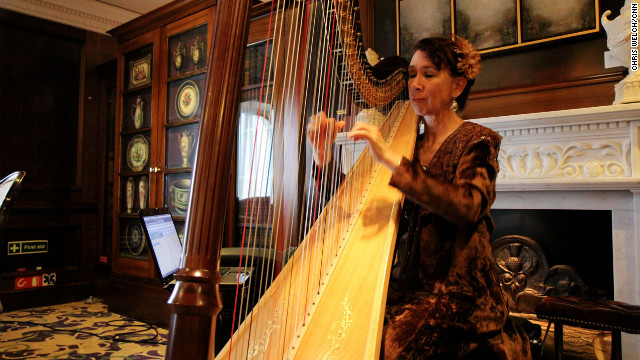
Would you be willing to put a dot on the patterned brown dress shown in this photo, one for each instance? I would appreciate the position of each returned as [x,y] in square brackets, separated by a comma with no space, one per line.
[444,301]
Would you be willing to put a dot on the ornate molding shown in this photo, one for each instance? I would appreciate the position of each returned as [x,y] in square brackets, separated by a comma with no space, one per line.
[573,149]
[573,160]
[573,130]
[89,15]
[628,89]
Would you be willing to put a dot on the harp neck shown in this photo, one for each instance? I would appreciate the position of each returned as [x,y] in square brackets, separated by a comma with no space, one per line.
[195,301]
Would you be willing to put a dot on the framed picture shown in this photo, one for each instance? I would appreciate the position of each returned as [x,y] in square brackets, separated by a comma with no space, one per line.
[420,19]
[493,25]
[548,19]
[140,72]
[483,31]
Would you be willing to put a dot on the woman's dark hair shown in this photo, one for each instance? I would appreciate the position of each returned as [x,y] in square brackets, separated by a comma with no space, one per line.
[442,54]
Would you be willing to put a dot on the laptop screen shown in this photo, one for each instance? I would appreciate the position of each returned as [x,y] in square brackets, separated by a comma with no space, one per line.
[165,242]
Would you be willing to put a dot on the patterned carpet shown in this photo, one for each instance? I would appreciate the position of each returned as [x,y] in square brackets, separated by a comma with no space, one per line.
[78,330]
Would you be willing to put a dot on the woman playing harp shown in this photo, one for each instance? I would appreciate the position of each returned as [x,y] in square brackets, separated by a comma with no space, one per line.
[443,300]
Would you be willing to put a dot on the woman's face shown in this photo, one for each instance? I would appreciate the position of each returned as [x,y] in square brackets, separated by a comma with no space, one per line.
[431,89]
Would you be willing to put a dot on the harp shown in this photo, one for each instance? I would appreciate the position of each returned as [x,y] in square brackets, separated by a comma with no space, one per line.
[327,300]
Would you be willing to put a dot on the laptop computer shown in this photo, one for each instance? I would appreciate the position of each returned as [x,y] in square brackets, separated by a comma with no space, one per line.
[164,242]
[166,248]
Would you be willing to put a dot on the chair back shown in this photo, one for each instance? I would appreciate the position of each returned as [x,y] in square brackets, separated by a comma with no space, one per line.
[9,188]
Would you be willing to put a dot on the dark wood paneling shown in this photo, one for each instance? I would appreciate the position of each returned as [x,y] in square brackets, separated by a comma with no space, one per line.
[63,242]
[51,295]
[385,27]
[583,92]
[39,94]
[50,127]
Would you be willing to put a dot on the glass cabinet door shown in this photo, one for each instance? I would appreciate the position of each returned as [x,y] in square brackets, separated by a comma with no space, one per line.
[136,149]
[184,89]
[162,76]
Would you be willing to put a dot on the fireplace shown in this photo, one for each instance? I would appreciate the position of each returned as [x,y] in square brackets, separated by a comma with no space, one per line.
[566,239]
[581,165]
[544,252]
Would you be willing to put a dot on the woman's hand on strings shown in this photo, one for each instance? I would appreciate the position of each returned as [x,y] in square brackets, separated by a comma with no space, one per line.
[377,146]
[322,132]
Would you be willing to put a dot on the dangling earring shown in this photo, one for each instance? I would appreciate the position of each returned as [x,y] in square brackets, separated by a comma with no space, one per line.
[454,105]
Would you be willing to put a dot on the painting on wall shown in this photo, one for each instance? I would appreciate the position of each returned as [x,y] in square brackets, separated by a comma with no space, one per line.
[545,19]
[493,25]
[485,32]
[420,19]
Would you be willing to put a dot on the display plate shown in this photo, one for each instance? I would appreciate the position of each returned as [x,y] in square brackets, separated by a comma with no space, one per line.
[187,100]
[135,238]
[137,153]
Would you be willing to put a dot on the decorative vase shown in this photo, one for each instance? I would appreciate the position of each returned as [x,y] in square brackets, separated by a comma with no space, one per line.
[130,194]
[196,51]
[186,140]
[178,57]
[137,112]
[143,188]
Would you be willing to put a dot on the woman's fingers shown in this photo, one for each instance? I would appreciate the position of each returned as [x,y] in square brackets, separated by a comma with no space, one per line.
[322,129]
[377,146]
[362,131]
[321,133]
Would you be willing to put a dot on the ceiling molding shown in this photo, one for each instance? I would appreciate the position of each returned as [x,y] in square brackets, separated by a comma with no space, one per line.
[85,14]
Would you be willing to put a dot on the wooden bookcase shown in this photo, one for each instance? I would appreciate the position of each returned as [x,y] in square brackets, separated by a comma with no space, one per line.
[162,69]
[171,94]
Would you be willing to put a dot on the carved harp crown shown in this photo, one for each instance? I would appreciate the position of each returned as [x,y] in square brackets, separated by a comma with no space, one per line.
[327,258]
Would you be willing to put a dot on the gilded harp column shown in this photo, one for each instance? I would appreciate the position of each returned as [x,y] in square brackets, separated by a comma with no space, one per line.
[195,300]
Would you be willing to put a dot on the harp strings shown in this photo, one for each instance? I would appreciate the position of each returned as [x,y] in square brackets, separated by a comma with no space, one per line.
[254,207]
[330,91]
[275,148]
[332,100]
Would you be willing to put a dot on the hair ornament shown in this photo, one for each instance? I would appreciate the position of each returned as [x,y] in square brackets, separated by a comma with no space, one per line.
[468,57]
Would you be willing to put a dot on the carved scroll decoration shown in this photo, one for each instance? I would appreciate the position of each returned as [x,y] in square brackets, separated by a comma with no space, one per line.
[584,159]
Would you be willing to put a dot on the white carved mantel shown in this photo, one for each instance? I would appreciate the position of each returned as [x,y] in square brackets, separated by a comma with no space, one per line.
[582,159]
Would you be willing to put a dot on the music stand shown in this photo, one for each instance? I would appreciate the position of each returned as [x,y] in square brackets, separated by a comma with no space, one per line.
[9,188]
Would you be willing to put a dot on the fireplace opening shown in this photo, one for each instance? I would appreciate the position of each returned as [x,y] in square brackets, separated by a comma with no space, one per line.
[575,239]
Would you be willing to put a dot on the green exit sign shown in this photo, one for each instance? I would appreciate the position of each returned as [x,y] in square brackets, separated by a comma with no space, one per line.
[27,247]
